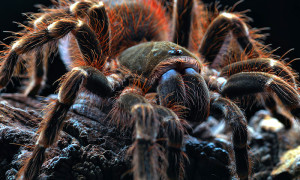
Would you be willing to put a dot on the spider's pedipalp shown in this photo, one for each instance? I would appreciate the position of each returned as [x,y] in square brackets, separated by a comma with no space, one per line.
[222,30]
[132,110]
[145,157]
[121,112]
[151,122]
[234,118]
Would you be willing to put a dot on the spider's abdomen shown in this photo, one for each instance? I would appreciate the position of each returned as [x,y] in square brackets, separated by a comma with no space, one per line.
[137,21]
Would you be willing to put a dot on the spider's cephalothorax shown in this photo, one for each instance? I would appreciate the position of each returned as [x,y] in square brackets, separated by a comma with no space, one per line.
[160,87]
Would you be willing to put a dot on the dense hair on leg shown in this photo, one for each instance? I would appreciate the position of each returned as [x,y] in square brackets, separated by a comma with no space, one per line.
[89,47]
[268,65]
[256,82]
[99,22]
[182,20]
[145,157]
[121,111]
[52,122]
[224,108]
[219,35]
[28,43]
[32,166]
[270,103]
[173,130]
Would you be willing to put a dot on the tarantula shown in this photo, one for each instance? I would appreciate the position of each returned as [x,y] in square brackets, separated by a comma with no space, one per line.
[122,50]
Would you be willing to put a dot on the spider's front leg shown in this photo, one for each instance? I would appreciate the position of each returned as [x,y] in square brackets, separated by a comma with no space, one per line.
[86,38]
[40,57]
[80,77]
[217,39]
[54,31]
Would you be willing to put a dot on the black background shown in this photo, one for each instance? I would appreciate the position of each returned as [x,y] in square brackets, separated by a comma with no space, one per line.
[282,16]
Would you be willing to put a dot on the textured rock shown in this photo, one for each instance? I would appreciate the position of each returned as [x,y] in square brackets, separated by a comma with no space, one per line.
[88,147]
[289,166]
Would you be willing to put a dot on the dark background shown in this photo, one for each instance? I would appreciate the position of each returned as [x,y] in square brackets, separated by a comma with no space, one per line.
[282,16]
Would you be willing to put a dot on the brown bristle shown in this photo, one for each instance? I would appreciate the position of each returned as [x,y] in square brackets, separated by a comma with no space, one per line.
[145,17]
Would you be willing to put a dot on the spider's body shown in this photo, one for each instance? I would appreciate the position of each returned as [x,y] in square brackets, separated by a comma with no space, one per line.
[160,87]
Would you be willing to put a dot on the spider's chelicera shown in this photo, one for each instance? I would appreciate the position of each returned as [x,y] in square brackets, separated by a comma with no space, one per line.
[137,52]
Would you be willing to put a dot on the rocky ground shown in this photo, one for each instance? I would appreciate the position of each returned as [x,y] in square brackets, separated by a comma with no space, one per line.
[91,148]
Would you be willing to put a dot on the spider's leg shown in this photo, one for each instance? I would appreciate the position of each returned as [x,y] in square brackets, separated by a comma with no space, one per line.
[132,110]
[80,77]
[40,58]
[173,129]
[99,22]
[187,88]
[256,82]
[267,65]
[86,39]
[151,122]
[182,18]
[40,68]
[270,104]
[94,35]
[78,9]
[145,157]
[224,108]
[221,31]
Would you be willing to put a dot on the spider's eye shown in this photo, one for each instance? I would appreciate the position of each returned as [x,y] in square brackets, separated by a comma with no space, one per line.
[171,52]
[179,52]
[175,52]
